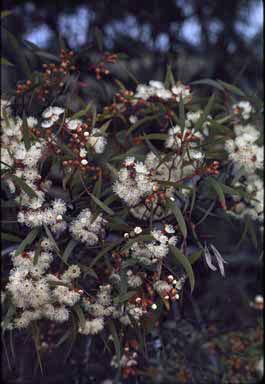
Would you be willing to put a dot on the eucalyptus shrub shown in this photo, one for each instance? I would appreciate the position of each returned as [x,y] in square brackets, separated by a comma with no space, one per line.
[110,199]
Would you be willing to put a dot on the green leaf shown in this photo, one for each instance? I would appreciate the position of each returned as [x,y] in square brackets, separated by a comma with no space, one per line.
[20,56]
[181,113]
[97,187]
[179,217]
[104,251]
[101,204]
[210,82]
[6,62]
[154,136]
[116,340]
[27,241]
[195,256]
[8,317]
[218,189]
[69,249]
[6,13]
[80,314]
[169,80]
[10,237]
[124,297]
[24,186]
[205,113]
[252,233]
[232,88]
[99,38]
[83,112]
[25,131]
[37,253]
[47,55]
[56,248]
[183,260]
[64,337]
[145,120]
[139,238]
[105,126]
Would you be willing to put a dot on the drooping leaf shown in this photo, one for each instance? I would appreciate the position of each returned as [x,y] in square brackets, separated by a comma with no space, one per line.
[184,261]
[195,256]
[205,113]
[25,131]
[69,249]
[104,251]
[10,237]
[6,62]
[232,88]
[80,314]
[116,340]
[24,186]
[27,241]
[218,189]
[179,217]
[169,80]
[103,206]
[210,82]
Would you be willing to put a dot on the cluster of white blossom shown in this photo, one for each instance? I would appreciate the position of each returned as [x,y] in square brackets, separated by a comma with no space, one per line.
[176,168]
[94,139]
[154,251]
[33,212]
[134,182]
[32,293]
[243,151]
[86,229]
[247,157]
[177,137]
[243,109]
[157,89]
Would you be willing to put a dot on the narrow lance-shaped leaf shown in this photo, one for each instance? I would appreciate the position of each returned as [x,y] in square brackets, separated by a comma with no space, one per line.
[206,113]
[183,260]
[69,249]
[169,80]
[27,241]
[101,204]
[218,189]
[80,314]
[6,62]
[116,340]
[24,186]
[25,130]
[232,88]
[179,217]
[10,237]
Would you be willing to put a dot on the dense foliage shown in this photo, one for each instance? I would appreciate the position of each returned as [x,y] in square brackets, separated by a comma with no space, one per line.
[110,199]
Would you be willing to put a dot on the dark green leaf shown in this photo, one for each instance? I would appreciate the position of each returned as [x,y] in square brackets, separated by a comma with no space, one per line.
[195,256]
[232,88]
[183,260]
[116,340]
[179,217]
[218,189]
[10,237]
[25,131]
[80,314]
[24,186]
[101,204]
[68,250]
[6,62]
[27,241]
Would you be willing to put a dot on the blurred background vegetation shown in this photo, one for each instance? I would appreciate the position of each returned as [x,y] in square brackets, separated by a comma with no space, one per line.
[200,38]
[216,336]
